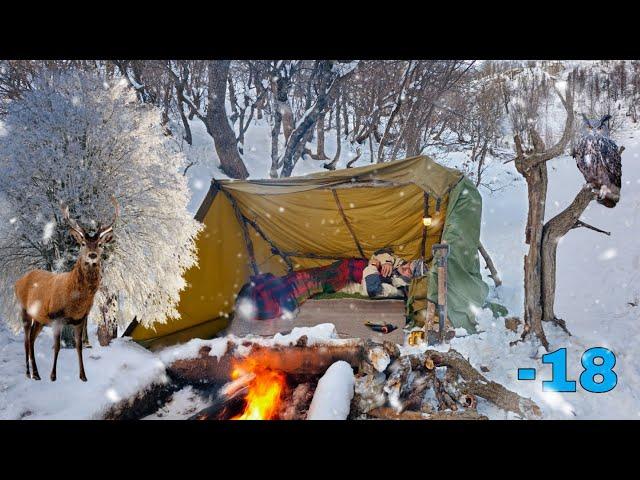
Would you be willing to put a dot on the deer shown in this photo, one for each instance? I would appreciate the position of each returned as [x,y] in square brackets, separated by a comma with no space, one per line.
[58,299]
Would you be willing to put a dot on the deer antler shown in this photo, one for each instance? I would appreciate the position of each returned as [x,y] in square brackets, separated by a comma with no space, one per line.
[72,223]
[108,228]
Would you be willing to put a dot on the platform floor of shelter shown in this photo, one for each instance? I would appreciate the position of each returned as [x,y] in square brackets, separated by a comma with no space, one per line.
[347,314]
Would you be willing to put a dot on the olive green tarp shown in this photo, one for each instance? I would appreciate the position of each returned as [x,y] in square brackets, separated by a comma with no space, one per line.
[300,222]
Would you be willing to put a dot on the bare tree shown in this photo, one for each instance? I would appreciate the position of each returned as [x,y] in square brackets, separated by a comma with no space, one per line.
[532,165]
[328,80]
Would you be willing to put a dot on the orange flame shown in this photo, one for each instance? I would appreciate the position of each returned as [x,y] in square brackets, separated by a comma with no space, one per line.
[265,390]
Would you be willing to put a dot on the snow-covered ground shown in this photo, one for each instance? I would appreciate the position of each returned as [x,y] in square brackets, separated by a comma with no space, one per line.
[596,282]
[114,373]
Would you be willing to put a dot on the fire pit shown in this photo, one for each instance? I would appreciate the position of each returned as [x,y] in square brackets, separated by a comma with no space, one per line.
[260,379]
[257,392]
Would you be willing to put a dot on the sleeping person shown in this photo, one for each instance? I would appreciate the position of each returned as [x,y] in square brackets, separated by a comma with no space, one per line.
[386,276]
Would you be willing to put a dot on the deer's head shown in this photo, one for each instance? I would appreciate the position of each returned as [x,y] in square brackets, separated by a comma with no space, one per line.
[91,245]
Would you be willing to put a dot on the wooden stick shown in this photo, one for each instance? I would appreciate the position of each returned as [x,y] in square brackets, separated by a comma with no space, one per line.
[424,227]
[245,232]
[271,244]
[580,223]
[489,265]
[388,413]
[474,383]
[346,222]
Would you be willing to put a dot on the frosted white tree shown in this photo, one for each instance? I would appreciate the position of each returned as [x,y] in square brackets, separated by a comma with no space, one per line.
[76,139]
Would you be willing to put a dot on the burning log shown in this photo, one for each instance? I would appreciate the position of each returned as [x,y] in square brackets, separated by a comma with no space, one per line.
[295,407]
[295,359]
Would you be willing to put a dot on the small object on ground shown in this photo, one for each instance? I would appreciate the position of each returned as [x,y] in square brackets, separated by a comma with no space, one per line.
[381,327]
[416,337]
[512,323]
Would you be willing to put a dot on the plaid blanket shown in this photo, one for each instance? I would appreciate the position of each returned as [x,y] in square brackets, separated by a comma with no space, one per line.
[273,296]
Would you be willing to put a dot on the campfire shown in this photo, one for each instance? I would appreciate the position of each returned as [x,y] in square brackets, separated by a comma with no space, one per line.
[265,388]
[341,378]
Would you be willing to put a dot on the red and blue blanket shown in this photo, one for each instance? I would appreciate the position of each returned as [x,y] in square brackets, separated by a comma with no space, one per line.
[274,296]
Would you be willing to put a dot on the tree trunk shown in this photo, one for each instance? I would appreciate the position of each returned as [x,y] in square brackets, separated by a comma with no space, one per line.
[554,230]
[332,165]
[275,134]
[217,122]
[537,180]
[320,155]
[296,141]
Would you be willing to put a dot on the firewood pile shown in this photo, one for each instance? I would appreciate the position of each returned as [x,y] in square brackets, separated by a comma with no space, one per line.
[428,386]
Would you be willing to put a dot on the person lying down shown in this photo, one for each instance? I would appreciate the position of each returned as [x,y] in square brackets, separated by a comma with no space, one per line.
[384,275]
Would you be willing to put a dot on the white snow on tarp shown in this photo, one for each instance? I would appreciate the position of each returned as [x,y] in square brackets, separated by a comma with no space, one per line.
[114,373]
[332,398]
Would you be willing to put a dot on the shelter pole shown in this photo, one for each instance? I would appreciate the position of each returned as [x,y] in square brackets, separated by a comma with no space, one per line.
[346,222]
[273,246]
[314,256]
[245,232]
[424,227]
[441,254]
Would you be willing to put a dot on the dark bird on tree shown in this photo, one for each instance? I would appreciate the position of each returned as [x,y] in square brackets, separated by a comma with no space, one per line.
[599,160]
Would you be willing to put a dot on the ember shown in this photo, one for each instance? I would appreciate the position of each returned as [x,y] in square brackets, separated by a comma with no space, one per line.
[265,390]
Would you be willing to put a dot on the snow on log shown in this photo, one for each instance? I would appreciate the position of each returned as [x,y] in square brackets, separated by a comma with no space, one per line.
[332,398]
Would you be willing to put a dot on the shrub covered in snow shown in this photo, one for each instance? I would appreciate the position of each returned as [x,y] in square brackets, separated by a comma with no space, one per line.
[76,139]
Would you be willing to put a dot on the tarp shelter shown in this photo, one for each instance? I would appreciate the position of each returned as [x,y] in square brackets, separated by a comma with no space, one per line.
[276,225]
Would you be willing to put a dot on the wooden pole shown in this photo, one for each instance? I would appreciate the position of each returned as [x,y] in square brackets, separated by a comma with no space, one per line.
[424,227]
[346,222]
[273,246]
[441,253]
[245,232]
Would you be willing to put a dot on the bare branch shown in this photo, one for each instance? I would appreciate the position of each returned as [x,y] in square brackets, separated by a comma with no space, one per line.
[580,223]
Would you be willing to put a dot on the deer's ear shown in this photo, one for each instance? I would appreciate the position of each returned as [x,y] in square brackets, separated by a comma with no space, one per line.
[77,236]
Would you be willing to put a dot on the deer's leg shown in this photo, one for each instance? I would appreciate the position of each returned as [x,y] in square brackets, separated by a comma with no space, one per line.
[77,330]
[36,327]
[26,323]
[57,330]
